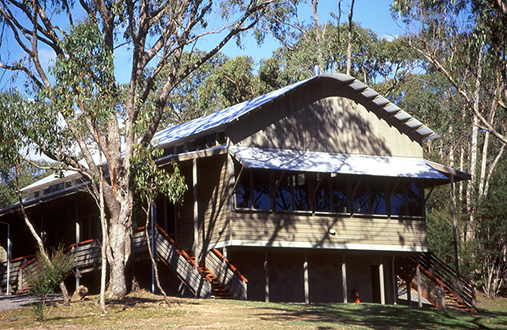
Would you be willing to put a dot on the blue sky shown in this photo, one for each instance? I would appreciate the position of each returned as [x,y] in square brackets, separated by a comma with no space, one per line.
[372,14]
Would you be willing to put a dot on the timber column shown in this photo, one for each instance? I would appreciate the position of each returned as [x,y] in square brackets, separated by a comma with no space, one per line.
[197,245]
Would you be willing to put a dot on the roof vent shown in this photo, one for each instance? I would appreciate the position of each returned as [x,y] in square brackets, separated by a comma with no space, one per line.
[316,70]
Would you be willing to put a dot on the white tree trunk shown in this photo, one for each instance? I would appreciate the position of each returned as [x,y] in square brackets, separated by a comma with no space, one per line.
[120,244]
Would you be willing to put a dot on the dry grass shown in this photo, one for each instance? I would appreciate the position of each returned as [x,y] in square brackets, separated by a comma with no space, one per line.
[146,311]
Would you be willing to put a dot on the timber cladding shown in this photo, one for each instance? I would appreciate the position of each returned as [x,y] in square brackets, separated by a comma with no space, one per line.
[313,231]
[213,194]
[322,119]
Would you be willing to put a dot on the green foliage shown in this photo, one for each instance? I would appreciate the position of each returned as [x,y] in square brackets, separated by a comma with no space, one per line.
[84,86]
[150,180]
[439,224]
[490,244]
[372,57]
[27,174]
[49,275]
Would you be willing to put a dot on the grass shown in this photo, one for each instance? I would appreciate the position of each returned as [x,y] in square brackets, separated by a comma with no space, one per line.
[146,311]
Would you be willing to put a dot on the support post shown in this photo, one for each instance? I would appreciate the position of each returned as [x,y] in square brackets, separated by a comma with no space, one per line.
[344,280]
[196,212]
[8,257]
[395,283]
[266,278]
[381,280]
[442,294]
[305,276]
[409,293]
[152,248]
[78,239]
[419,298]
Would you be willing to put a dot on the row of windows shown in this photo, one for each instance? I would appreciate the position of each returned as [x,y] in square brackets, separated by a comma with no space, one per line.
[322,192]
[201,143]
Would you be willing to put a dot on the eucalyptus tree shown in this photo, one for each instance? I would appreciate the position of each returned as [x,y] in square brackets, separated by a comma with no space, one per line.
[82,110]
[465,42]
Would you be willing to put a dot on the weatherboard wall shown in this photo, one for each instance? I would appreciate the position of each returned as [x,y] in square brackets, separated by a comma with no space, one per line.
[213,196]
[320,116]
[285,229]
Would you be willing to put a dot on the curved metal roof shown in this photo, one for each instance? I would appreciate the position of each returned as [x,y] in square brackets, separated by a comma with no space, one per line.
[363,94]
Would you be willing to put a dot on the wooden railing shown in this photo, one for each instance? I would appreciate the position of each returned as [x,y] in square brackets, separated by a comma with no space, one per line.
[183,266]
[437,282]
[457,285]
[227,274]
[14,271]
[87,257]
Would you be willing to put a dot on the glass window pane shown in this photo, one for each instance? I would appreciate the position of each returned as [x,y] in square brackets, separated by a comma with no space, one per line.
[414,199]
[322,200]
[283,194]
[397,200]
[261,190]
[340,195]
[377,197]
[360,199]
[243,196]
[301,192]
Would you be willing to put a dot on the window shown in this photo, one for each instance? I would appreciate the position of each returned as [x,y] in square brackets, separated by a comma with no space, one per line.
[397,199]
[322,200]
[340,194]
[333,193]
[414,199]
[284,193]
[301,192]
[262,200]
[360,198]
[407,199]
[242,193]
[377,196]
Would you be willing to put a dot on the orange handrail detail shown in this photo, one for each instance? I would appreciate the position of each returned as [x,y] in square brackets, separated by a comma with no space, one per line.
[231,266]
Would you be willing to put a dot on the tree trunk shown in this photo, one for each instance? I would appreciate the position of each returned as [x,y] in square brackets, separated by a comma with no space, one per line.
[470,189]
[349,47]
[63,288]
[120,241]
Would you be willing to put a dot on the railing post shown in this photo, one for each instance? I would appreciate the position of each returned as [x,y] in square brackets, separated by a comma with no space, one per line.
[474,300]
[20,278]
[442,292]
[419,298]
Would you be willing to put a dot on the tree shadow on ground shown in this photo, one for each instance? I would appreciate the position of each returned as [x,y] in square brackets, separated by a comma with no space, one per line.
[328,316]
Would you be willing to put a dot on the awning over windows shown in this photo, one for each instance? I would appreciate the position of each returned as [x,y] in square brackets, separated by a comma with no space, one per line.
[324,162]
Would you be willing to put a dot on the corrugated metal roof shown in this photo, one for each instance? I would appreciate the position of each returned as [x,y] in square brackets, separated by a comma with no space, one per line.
[219,118]
[371,100]
[325,162]
[377,103]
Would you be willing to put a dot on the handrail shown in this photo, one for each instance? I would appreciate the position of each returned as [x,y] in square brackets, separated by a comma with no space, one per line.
[231,266]
[431,277]
[446,277]
[445,265]
[27,263]
[466,291]
[183,253]
[30,256]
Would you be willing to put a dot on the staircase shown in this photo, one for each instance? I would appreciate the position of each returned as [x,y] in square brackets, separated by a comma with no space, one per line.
[224,279]
[216,278]
[437,282]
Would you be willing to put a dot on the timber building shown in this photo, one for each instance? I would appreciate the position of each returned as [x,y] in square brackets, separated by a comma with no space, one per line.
[311,193]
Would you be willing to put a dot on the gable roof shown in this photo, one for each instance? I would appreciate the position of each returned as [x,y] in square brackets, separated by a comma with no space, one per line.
[362,93]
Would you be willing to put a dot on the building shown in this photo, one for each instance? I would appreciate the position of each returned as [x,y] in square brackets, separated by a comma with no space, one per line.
[314,193]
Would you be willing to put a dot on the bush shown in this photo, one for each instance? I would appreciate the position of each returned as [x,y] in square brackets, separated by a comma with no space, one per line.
[47,277]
